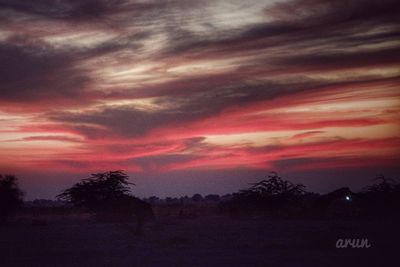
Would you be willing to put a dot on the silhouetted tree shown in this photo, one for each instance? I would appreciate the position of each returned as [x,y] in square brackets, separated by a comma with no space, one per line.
[212,197]
[10,196]
[277,197]
[380,199]
[197,197]
[108,196]
[274,186]
[98,190]
[273,196]
[383,185]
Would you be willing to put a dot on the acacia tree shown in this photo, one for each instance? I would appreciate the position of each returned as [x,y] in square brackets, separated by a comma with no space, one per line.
[108,196]
[274,186]
[383,185]
[381,199]
[98,191]
[10,196]
[272,195]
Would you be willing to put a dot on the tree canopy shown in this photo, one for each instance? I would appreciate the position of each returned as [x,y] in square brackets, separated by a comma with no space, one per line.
[272,195]
[98,190]
[274,186]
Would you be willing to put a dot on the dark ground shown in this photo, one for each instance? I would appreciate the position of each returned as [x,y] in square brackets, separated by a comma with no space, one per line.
[198,241]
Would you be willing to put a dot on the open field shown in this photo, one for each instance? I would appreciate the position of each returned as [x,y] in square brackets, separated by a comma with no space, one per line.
[195,241]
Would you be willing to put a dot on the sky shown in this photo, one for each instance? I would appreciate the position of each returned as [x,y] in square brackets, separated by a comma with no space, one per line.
[199,96]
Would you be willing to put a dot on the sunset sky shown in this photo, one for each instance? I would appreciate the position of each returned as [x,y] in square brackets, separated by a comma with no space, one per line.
[199,96]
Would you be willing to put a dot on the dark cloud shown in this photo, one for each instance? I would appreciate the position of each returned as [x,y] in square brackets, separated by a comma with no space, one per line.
[341,60]
[98,13]
[302,24]
[129,121]
[66,9]
[308,24]
[317,11]
[31,70]
[177,109]
[124,121]
[158,161]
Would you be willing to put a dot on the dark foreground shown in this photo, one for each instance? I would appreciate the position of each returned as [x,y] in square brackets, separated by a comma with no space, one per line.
[202,241]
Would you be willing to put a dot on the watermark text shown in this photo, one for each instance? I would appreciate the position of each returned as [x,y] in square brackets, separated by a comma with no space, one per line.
[353,243]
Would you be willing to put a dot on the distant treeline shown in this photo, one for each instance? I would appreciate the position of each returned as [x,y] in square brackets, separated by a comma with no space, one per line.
[276,197]
[271,197]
